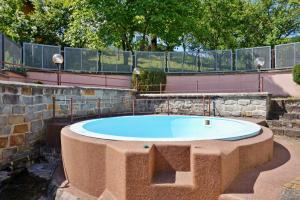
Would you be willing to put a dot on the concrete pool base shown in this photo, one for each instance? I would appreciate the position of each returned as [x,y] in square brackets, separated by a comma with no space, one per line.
[117,170]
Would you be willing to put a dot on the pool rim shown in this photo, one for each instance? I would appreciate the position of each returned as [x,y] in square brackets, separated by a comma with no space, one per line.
[77,128]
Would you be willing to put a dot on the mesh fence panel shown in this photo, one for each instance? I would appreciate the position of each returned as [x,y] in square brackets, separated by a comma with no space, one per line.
[245,58]
[182,62]
[48,52]
[1,51]
[217,60]
[72,59]
[285,55]
[150,60]
[39,56]
[113,60]
[77,59]
[297,53]
[12,52]
[90,60]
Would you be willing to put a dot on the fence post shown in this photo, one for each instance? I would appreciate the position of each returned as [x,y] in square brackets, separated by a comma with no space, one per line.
[99,107]
[71,109]
[203,99]
[208,106]
[133,106]
[2,51]
[168,105]
[53,105]
[160,88]
[197,87]
[262,84]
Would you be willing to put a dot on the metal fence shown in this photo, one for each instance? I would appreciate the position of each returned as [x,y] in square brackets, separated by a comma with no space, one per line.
[11,52]
[216,60]
[40,56]
[183,62]
[244,58]
[287,55]
[79,59]
[150,60]
[115,60]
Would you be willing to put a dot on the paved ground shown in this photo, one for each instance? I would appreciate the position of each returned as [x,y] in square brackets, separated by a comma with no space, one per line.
[266,182]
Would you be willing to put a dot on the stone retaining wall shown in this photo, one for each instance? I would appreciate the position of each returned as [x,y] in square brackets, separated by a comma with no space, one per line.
[25,107]
[225,105]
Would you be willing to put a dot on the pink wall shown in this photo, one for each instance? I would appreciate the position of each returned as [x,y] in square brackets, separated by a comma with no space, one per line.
[97,80]
[278,83]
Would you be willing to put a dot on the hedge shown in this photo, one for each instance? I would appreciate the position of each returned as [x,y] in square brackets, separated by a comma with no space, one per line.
[149,80]
[296,74]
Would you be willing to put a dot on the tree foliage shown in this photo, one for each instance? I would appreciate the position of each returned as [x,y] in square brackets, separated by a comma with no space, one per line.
[207,24]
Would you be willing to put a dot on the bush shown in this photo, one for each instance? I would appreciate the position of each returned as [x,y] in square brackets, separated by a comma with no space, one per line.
[296,74]
[18,70]
[149,80]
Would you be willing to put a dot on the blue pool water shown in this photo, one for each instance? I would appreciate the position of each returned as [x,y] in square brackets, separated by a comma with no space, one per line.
[166,128]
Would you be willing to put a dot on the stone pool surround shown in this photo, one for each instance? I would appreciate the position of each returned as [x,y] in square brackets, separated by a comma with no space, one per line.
[127,170]
[25,108]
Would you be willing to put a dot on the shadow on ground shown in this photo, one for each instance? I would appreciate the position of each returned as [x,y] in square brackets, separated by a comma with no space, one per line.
[244,183]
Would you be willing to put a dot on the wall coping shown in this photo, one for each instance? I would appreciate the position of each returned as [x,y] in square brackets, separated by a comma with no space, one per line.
[20,84]
[252,94]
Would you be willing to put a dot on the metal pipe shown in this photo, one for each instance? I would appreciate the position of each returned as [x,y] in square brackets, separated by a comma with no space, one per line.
[53,105]
[262,84]
[208,106]
[71,109]
[168,105]
[203,99]
[133,106]
[99,107]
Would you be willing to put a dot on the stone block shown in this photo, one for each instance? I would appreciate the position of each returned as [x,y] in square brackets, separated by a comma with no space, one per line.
[21,128]
[244,102]
[88,92]
[230,102]
[8,153]
[27,91]
[33,116]
[27,100]
[5,109]
[18,109]
[5,130]
[37,126]
[37,91]
[47,114]
[17,140]
[11,99]
[11,89]
[3,120]
[49,91]
[3,142]
[38,100]
[39,107]
[259,102]
[16,119]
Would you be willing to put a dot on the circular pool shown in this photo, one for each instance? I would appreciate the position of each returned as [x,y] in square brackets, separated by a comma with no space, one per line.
[166,128]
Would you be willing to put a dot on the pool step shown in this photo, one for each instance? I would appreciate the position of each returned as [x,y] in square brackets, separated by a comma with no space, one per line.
[173,178]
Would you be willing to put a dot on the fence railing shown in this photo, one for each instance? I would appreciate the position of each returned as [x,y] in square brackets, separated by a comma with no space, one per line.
[116,61]
[76,109]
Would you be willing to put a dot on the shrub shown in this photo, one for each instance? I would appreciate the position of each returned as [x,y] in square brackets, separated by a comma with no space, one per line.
[149,80]
[296,74]
[18,70]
